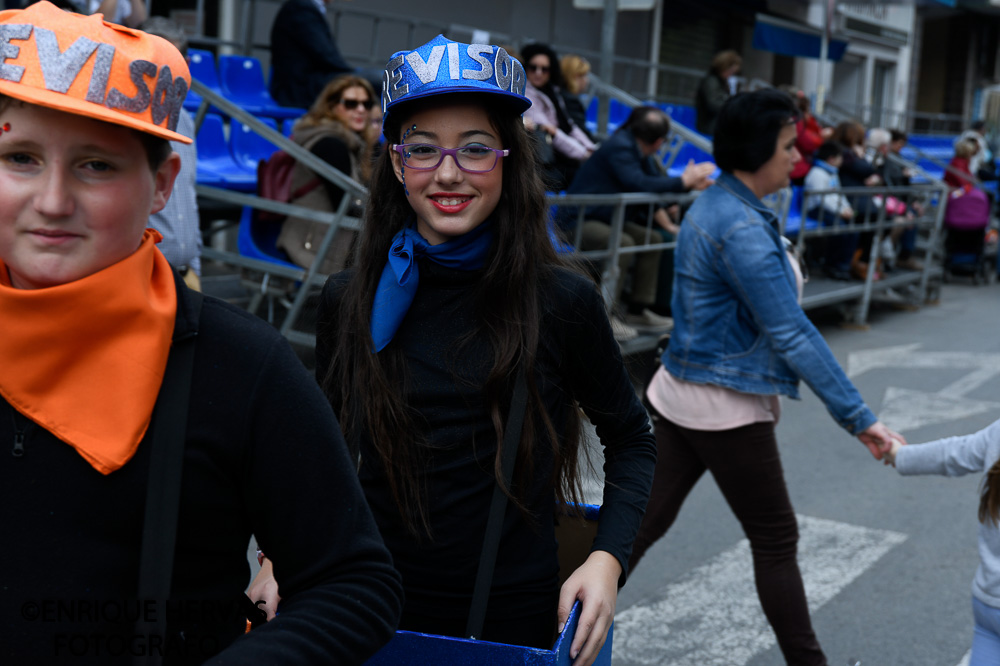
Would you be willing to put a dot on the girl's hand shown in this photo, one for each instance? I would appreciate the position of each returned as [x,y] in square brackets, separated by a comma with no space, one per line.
[595,584]
[878,439]
[265,588]
[890,455]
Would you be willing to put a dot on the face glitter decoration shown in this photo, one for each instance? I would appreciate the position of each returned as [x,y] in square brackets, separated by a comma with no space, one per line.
[402,170]
[442,66]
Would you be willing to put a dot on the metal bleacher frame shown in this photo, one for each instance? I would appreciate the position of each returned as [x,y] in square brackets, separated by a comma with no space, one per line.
[296,284]
[825,292]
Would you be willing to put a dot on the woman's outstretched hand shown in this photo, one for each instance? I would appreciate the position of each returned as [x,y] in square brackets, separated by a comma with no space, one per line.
[595,584]
[265,588]
[878,438]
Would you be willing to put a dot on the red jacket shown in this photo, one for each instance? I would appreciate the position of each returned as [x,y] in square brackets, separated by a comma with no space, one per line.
[807,141]
[961,164]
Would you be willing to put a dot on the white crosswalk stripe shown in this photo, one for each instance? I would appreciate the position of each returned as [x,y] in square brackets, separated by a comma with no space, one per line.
[712,615]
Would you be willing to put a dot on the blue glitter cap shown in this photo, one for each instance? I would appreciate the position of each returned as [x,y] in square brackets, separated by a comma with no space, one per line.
[442,66]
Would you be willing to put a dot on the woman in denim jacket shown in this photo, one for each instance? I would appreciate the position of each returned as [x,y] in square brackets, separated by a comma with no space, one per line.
[740,340]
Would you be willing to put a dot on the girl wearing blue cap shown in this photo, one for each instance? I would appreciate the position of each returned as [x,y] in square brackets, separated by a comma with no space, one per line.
[456,291]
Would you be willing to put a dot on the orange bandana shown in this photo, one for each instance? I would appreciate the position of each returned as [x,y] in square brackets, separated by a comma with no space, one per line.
[85,359]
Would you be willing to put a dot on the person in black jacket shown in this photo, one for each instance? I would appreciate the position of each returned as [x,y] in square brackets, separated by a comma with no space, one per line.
[456,291]
[626,163]
[94,324]
[713,90]
[304,54]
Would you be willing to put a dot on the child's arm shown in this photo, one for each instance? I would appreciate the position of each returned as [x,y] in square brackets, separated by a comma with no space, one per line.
[951,456]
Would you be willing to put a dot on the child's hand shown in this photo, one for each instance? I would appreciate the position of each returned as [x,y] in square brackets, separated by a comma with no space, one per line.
[890,456]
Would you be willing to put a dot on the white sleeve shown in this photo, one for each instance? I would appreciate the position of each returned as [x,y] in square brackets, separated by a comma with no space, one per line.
[952,456]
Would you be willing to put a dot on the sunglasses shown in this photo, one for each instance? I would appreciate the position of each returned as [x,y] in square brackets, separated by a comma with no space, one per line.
[539,68]
[351,104]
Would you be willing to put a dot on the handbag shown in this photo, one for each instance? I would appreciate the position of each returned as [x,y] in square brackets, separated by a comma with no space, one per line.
[652,367]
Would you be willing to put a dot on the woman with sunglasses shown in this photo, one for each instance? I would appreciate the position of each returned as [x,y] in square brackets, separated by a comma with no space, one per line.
[337,129]
[549,114]
[456,292]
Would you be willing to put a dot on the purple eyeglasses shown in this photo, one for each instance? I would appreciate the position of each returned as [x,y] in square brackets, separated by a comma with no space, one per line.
[425,156]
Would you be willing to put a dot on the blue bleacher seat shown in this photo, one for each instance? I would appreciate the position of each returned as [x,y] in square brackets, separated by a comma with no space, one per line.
[248,147]
[216,165]
[242,80]
[617,115]
[287,125]
[258,240]
[202,66]
[794,220]
[592,114]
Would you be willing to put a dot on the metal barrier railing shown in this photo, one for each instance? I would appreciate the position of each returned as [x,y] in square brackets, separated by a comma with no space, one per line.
[305,278]
[932,198]
[677,131]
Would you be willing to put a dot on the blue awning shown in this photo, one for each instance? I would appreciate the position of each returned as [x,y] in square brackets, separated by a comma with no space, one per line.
[793,39]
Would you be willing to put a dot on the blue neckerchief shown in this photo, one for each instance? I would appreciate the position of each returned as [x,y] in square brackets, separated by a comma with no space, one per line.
[400,277]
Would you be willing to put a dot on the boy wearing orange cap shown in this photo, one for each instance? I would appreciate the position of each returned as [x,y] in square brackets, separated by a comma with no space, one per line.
[95,399]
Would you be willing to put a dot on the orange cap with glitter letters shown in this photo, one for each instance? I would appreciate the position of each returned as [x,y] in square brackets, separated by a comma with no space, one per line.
[88,67]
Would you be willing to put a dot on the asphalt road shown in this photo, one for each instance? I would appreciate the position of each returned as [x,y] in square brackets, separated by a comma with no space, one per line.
[888,561]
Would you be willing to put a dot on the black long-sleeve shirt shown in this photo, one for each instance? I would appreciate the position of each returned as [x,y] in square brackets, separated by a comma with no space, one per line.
[304,55]
[264,456]
[578,359]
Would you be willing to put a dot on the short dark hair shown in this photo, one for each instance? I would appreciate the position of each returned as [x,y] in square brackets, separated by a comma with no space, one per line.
[978,124]
[898,135]
[747,128]
[648,123]
[829,149]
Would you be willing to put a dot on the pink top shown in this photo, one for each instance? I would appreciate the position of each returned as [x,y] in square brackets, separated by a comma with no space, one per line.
[710,407]
[542,111]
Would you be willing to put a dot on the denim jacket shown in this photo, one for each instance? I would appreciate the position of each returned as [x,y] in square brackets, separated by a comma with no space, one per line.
[737,321]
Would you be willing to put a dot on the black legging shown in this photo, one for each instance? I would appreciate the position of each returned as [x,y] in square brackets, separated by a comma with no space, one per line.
[747,468]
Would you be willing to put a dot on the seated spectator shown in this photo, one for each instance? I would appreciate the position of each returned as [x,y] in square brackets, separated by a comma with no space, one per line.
[903,238]
[831,209]
[856,171]
[154,430]
[129,13]
[877,147]
[576,74]
[625,163]
[960,172]
[981,164]
[893,173]
[549,115]
[714,89]
[304,55]
[179,221]
[337,129]
[808,138]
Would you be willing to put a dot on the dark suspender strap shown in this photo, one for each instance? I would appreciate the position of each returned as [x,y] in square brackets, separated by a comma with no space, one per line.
[498,506]
[159,528]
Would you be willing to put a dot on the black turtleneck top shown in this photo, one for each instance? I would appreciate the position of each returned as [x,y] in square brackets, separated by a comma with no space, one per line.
[578,360]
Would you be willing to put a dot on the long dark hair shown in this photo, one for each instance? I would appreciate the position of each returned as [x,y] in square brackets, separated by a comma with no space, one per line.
[989,499]
[553,88]
[508,312]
